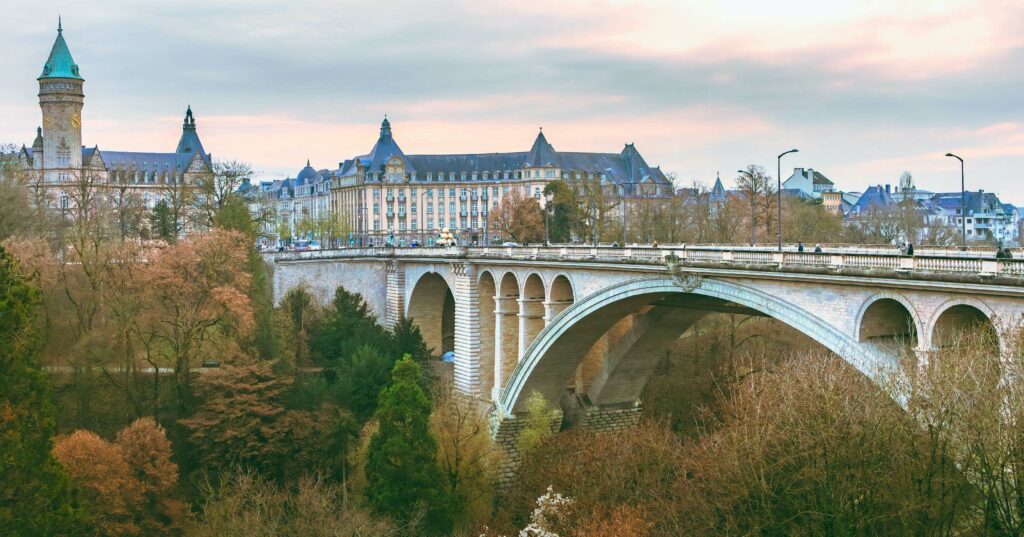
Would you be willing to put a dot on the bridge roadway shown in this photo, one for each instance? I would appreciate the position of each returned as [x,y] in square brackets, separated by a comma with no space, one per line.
[584,326]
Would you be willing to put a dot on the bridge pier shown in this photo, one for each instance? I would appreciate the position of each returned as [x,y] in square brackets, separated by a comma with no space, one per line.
[506,431]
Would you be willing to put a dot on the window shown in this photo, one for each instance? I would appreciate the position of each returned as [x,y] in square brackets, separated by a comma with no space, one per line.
[414,225]
[451,192]
[376,225]
[494,190]
[549,173]
[63,200]
[430,192]
[451,176]
[451,207]
[430,224]
[376,194]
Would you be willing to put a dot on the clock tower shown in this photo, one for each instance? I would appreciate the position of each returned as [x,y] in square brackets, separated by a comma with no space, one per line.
[61,99]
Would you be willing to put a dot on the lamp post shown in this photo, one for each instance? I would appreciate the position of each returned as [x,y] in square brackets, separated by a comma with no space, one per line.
[779,178]
[963,204]
[624,214]
[548,196]
[753,230]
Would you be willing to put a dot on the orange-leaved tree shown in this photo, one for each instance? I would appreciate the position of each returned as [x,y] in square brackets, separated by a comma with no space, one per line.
[519,218]
[127,484]
[196,296]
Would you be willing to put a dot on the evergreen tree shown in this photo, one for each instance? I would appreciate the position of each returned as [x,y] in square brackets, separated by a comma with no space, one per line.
[162,222]
[562,210]
[403,478]
[407,339]
[363,376]
[36,497]
[347,327]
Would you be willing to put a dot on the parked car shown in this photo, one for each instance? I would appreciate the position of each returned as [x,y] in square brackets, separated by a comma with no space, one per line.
[510,243]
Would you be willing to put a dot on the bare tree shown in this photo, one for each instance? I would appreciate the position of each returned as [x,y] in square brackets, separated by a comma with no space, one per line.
[214,188]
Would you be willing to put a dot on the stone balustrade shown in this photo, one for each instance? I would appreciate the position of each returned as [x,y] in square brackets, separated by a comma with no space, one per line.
[927,260]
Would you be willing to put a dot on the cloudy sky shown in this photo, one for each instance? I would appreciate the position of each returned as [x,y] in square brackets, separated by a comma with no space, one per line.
[865,89]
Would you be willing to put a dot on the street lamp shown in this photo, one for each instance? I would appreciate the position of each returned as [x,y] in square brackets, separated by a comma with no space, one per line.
[963,204]
[624,214]
[753,231]
[779,177]
[548,197]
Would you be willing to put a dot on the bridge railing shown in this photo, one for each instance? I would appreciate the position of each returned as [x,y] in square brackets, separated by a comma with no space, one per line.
[835,258]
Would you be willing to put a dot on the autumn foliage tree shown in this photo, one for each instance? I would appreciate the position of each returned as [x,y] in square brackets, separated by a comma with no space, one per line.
[518,217]
[196,300]
[243,422]
[127,483]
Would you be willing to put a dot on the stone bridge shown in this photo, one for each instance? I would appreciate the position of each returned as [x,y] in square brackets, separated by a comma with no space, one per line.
[585,326]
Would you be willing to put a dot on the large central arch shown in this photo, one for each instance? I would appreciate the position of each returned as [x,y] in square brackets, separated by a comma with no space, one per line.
[551,359]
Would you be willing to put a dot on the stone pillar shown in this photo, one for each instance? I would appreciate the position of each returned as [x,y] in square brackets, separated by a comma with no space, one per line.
[612,417]
[553,308]
[505,432]
[396,293]
[467,329]
[505,339]
[531,322]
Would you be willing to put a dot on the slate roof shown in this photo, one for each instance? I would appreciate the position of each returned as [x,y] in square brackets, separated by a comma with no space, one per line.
[718,190]
[189,141]
[627,166]
[60,64]
[874,197]
[977,202]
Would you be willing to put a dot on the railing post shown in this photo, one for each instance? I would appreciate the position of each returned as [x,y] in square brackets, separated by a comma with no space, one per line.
[837,260]
[907,263]
[989,266]
[778,258]
[727,256]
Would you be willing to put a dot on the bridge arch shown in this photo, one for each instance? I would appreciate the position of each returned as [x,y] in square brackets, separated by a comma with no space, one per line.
[551,360]
[889,320]
[487,291]
[531,310]
[431,307]
[506,329]
[963,313]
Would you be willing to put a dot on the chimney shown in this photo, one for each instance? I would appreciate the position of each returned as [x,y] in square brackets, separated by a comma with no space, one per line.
[887,191]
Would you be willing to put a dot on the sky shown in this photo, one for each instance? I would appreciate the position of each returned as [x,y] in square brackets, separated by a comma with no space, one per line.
[865,89]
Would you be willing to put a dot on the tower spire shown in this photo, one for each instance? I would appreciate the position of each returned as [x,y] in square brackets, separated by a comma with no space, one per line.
[60,26]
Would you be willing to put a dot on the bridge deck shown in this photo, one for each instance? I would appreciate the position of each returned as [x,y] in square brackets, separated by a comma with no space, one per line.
[926,261]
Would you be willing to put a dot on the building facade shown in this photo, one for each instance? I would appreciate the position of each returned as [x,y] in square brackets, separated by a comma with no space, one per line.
[387,196]
[58,159]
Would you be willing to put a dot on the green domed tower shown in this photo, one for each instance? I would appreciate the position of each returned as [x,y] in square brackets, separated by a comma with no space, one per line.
[61,98]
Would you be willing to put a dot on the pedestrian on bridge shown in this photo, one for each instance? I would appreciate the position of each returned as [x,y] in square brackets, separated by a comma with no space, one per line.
[800,247]
[817,248]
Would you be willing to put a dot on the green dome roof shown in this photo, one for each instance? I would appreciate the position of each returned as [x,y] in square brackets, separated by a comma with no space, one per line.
[60,64]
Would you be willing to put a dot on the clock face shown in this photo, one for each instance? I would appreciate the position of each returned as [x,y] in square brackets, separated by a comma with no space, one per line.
[76,120]
[49,123]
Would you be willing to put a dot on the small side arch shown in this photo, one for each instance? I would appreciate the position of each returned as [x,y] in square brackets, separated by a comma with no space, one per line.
[958,314]
[887,319]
